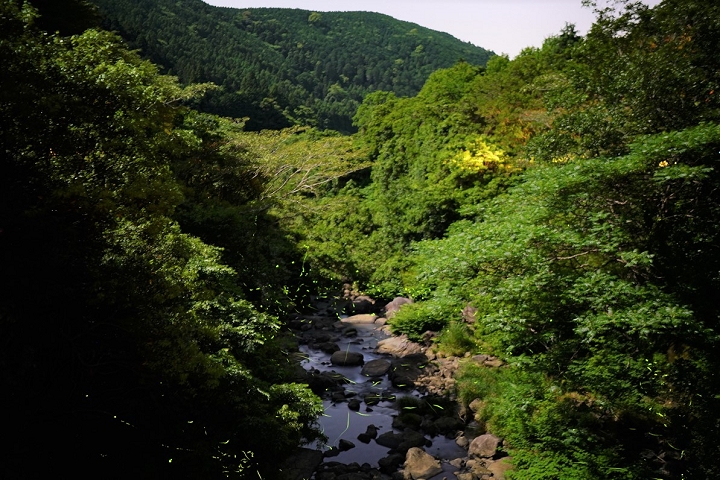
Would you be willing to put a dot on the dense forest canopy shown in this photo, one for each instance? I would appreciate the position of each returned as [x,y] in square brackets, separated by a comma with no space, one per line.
[281,67]
[130,348]
[560,211]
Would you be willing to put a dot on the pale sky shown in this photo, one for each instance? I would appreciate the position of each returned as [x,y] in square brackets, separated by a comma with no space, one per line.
[503,26]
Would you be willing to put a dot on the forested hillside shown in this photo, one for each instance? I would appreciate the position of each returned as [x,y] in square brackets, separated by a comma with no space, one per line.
[281,67]
[559,211]
[131,348]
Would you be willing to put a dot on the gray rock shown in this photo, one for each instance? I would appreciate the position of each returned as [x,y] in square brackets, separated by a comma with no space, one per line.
[419,464]
[353,476]
[391,463]
[407,369]
[345,445]
[376,368]
[466,476]
[500,467]
[477,467]
[469,314]
[390,440]
[347,359]
[332,452]
[361,319]
[399,346]
[363,304]
[402,381]
[392,307]
[447,425]
[370,433]
[462,441]
[328,347]
[407,420]
[493,362]
[480,358]
[321,382]
[484,446]
[350,332]
[476,405]
[301,464]
[412,439]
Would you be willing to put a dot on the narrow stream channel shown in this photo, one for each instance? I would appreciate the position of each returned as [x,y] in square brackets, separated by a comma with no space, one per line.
[340,422]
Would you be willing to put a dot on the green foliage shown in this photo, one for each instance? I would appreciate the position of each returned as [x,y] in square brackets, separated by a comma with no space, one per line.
[574,287]
[416,318]
[128,346]
[281,67]
[569,195]
[639,71]
[455,339]
[592,271]
[362,231]
[550,433]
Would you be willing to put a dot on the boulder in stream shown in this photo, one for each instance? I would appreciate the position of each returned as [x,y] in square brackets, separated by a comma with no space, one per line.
[376,368]
[399,346]
[363,304]
[420,464]
[392,307]
[361,319]
[402,442]
[484,446]
[407,369]
[345,445]
[391,463]
[328,347]
[347,359]
[300,464]
[370,433]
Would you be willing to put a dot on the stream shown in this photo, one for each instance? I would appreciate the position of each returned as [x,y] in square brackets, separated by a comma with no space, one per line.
[360,401]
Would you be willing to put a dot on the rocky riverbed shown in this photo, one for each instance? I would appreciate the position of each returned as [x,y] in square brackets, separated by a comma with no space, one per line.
[390,407]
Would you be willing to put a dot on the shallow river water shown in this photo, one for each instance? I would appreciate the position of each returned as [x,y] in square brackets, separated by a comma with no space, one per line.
[340,422]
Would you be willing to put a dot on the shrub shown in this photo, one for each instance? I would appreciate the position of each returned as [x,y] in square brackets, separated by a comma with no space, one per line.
[417,318]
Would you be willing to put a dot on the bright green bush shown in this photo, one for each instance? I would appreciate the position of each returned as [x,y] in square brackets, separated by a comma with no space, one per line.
[455,339]
[414,319]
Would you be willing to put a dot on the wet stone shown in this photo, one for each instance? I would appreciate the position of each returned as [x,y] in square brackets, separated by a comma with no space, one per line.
[347,359]
[391,463]
[337,397]
[345,445]
[376,368]
[328,347]
[370,433]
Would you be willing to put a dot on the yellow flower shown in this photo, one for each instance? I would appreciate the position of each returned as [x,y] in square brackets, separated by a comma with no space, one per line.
[479,157]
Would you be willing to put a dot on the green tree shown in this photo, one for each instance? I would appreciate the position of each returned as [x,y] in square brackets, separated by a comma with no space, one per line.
[128,348]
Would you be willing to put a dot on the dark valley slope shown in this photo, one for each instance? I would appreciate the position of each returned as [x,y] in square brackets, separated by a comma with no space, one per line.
[284,66]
